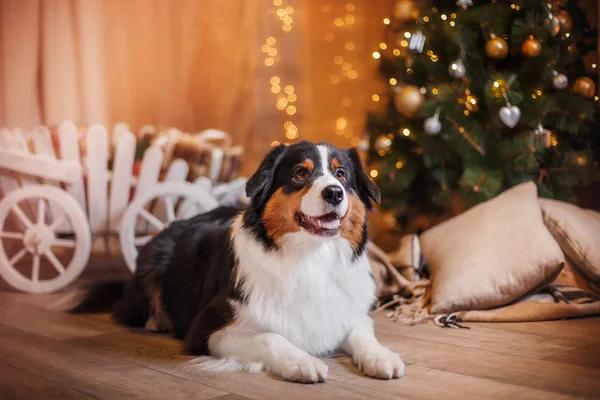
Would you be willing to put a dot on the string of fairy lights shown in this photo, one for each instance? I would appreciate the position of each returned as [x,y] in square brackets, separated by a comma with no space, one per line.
[405,42]
[284,94]
[344,71]
[340,32]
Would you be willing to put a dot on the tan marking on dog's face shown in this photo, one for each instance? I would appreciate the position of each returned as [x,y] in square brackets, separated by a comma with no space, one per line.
[352,227]
[335,164]
[309,165]
[279,217]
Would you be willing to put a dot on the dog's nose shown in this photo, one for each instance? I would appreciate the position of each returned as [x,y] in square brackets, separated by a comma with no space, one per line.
[333,195]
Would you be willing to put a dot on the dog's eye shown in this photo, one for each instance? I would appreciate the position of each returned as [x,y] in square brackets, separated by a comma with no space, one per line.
[340,173]
[300,173]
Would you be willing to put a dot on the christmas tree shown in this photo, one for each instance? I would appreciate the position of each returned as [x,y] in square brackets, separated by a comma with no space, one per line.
[483,95]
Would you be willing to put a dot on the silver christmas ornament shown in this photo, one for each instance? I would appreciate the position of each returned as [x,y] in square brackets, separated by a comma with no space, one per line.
[432,125]
[417,42]
[552,23]
[464,3]
[560,81]
[510,115]
[457,69]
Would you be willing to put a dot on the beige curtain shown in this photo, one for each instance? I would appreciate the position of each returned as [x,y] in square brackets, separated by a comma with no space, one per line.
[193,64]
[51,63]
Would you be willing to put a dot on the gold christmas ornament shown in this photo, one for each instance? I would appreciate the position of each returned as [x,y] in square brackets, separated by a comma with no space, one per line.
[408,100]
[405,10]
[531,47]
[565,21]
[496,48]
[584,86]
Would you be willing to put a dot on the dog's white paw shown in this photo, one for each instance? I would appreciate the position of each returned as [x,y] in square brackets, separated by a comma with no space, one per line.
[306,369]
[379,362]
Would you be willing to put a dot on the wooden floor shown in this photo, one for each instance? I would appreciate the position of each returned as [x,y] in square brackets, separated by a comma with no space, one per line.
[48,355]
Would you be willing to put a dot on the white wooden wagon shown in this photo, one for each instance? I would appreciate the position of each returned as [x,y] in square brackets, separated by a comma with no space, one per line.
[56,203]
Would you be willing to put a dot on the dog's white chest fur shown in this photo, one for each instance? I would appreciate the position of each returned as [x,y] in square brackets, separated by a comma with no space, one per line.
[312,293]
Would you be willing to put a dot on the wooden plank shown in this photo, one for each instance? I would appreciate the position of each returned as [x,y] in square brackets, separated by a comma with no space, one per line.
[22,385]
[149,170]
[120,186]
[482,337]
[119,129]
[43,322]
[521,371]
[68,137]
[584,356]
[91,354]
[161,353]
[48,169]
[436,384]
[585,330]
[42,142]
[8,181]
[19,144]
[149,173]
[97,173]
[94,374]
[231,397]
[217,154]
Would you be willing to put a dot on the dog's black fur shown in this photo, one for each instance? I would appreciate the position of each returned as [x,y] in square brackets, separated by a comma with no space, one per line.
[184,275]
[200,247]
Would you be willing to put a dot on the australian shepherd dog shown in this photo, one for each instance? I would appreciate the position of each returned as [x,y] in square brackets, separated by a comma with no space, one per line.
[279,283]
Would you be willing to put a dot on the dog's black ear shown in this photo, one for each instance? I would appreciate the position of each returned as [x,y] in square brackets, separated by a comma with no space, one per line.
[260,183]
[367,189]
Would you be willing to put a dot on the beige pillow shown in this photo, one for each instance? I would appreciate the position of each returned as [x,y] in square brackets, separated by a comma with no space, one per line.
[492,254]
[577,231]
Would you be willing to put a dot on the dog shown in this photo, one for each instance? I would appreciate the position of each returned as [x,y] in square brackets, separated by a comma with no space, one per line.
[278,283]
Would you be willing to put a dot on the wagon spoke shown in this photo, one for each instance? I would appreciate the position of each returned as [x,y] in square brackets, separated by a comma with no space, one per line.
[11,235]
[35,269]
[41,216]
[54,261]
[21,215]
[170,209]
[57,223]
[17,257]
[142,240]
[63,243]
[157,223]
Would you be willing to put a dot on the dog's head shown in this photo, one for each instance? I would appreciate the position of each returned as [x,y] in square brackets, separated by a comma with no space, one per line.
[313,188]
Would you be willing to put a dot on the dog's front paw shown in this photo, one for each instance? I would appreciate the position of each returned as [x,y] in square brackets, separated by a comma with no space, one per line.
[306,369]
[380,362]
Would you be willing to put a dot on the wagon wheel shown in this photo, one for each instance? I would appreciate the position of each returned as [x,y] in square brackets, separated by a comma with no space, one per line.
[180,200]
[38,239]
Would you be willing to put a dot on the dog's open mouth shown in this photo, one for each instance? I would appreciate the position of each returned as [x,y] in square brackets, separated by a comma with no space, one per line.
[325,225]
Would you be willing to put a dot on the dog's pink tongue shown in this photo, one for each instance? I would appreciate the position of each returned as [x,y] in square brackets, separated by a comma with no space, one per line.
[328,221]
[331,224]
